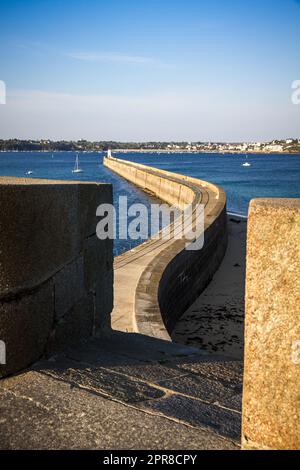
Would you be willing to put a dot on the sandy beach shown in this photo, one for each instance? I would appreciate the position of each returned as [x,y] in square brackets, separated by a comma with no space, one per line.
[215,321]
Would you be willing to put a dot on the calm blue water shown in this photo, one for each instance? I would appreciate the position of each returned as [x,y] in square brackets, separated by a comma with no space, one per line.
[60,167]
[268,175]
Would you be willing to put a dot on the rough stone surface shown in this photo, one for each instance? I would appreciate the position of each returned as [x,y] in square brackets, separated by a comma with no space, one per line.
[97,253]
[197,413]
[207,389]
[43,413]
[25,325]
[88,201]
[114,393]
[51,292]
[38,225]
[75,326]
[271,400]
[103,305]
[218,368]
[68,287]
[102,381]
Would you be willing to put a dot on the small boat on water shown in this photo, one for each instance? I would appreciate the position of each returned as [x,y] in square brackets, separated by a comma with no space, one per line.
[29,172]
[76,167]
[246,163]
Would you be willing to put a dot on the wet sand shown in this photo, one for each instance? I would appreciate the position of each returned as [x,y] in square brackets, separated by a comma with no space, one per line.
[215,321]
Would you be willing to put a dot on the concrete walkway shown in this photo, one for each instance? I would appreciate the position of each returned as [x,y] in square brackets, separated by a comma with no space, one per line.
[126,391]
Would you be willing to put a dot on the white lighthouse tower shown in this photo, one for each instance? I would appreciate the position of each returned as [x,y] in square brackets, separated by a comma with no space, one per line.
[109,153]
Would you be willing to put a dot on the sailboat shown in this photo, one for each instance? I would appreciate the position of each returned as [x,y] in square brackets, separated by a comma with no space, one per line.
[246,163]
[76,167]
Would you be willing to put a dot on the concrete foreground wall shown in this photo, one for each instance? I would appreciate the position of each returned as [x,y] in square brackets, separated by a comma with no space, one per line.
[165,277]
[271,397]
[56,277]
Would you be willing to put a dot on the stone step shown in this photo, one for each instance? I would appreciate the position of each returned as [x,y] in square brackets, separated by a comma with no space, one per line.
[144,385]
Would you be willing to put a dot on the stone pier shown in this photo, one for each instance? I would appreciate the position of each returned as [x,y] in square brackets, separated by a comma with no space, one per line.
[157,281]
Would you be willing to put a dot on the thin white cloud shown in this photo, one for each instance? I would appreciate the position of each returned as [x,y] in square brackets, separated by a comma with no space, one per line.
[111,57]
[92,56]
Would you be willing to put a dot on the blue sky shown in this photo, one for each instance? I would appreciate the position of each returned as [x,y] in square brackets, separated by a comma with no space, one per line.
[150,70]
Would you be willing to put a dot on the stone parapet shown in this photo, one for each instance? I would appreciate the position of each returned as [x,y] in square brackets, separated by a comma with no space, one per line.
[271,397]
[55,274]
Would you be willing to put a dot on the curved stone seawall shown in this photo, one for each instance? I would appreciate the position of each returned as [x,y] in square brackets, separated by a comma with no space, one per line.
[156,282]
[55,274]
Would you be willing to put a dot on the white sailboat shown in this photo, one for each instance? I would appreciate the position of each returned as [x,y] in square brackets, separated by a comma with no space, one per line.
[76,167]
[246,163]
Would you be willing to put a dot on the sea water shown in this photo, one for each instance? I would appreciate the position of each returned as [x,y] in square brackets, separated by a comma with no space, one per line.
[267,175]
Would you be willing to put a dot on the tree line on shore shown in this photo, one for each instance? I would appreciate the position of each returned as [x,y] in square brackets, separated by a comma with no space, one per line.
[46,145]
[79,145]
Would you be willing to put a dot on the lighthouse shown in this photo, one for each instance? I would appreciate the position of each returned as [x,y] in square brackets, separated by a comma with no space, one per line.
[108,153]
